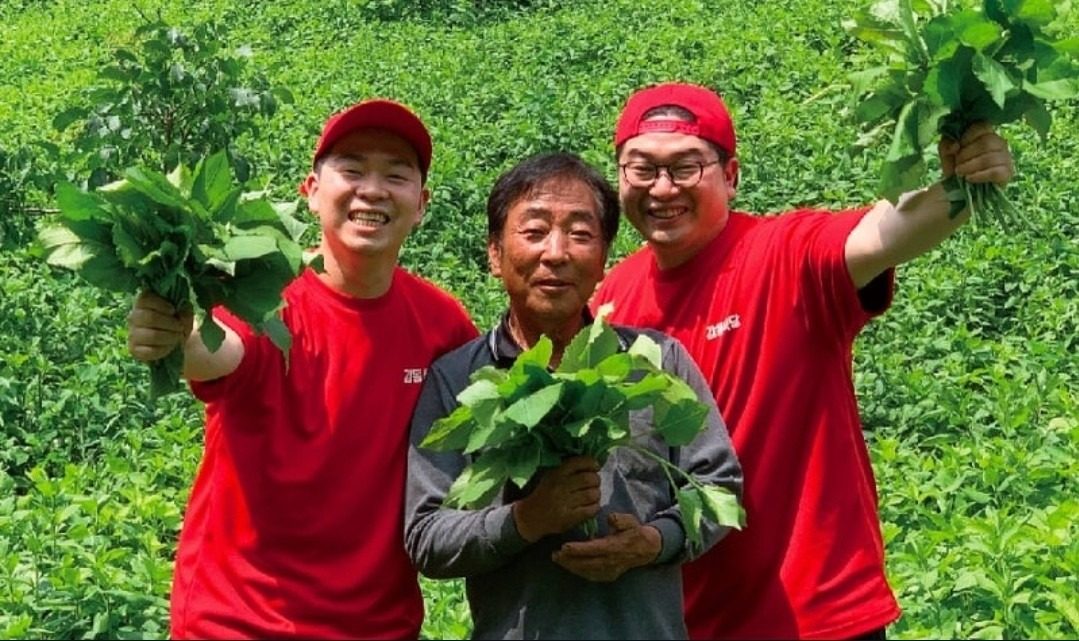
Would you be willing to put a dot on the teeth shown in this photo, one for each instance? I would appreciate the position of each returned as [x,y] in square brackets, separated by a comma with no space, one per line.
[666,213]
[369,217]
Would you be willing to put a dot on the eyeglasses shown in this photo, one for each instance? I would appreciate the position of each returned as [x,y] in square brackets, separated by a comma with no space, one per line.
[686,173]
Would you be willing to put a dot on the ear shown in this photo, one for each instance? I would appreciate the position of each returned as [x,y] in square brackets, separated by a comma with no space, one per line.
[309,188]
[425,199]
[494,257]
[731,172]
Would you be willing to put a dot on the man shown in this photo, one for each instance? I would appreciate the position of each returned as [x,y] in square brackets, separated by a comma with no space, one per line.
[529,572]
[769,308]
[293,528]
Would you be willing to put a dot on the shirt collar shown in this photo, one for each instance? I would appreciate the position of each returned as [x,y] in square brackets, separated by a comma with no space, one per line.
[505,350]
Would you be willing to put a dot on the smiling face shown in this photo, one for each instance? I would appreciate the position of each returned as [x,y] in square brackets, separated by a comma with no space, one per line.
[368,195]
[677,221]
[550,254]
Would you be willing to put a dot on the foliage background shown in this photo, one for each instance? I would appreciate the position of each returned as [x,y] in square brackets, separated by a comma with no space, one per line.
[968,386]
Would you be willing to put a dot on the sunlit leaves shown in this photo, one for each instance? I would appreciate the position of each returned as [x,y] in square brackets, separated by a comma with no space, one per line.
[180,237]
[994,64]
[521,420]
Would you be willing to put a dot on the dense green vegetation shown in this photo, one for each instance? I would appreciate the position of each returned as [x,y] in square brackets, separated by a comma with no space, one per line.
[969,386]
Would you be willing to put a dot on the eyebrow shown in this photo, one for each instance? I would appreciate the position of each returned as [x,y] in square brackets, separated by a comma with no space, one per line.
[587,215]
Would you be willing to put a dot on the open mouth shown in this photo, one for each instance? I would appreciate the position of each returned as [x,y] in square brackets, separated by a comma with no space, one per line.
[667,213]
[368,218]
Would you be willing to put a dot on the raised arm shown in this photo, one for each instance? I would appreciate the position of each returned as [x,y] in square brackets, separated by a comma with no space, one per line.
[890,235]
[155,328]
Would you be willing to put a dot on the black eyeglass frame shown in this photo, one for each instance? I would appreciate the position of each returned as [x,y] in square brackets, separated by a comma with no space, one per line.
[667,168]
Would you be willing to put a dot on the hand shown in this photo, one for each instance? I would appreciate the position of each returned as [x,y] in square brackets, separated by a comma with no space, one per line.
[564,497]
[154,328]
[629,545]
[979,156]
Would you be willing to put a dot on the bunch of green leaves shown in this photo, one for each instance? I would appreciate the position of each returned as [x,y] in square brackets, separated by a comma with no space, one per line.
[527,418]
[192,237]
[949,67]
[172,98]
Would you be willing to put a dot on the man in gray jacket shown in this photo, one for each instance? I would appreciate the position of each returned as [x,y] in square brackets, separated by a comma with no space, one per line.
[530,571]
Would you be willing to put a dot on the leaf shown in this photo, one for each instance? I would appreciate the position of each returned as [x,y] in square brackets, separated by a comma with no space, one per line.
[165,374]
[691,504]
[450,432]
[994,76]
[248,247]
[590,346]
[1036,12]
[644,392]
[64,119]
[211,333]
[76,204]
[212,181]
[1068,46]
[902,175]
[64,248]
[480,482]
[975,30]
[679,422]
[1040,119]
[646,348]
[721,506]
[1062,89]
[156,187]
[530,410]
[523,460]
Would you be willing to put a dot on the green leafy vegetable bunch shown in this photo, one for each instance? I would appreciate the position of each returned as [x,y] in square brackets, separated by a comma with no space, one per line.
[519,421]
[192,237]
[950,66]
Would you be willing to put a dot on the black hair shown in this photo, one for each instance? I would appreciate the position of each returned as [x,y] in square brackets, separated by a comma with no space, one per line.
[529,174]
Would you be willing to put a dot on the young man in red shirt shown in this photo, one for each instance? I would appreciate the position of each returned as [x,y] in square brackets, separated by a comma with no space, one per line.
[769,308]
[294,526]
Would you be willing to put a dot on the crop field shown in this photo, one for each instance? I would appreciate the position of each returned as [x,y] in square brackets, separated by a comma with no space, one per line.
[968,386]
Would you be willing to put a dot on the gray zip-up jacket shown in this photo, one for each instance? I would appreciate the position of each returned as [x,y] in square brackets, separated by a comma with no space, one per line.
[514,589]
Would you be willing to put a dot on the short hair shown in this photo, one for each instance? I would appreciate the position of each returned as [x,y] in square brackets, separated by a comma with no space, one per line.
[528,175]
[676,112]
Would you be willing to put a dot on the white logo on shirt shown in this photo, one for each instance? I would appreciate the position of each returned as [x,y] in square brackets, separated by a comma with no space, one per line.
[413,376]
[722,327]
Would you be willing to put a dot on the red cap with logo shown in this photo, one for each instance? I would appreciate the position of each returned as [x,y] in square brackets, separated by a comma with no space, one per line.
[713,121]
[381,114]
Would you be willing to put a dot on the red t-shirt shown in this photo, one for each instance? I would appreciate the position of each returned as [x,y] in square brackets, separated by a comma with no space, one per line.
[294,526]
[769,312]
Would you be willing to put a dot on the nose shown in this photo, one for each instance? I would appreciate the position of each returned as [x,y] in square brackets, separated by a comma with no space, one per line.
[555,247]
[371,187]
[664,185]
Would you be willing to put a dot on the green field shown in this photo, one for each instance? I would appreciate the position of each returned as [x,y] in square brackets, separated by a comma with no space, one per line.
[969,386]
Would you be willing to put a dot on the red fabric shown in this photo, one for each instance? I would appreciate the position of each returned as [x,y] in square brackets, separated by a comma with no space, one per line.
[294,526]
[712,120]
[769,312]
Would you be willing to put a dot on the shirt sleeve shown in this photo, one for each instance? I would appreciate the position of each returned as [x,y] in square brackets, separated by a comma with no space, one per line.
[709,458]
[444,542]
[833,306]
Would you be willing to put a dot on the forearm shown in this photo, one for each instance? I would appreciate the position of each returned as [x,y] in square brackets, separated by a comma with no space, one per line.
[444,542]
[891,235]
[201,364]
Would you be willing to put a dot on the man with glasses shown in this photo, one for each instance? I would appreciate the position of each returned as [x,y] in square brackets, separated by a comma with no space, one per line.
[769,308]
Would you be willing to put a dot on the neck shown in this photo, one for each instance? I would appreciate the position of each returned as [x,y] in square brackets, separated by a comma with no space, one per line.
[527,332]
[357,276]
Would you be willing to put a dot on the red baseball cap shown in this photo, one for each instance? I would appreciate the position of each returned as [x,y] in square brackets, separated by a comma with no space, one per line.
[713,120]
[382,114]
